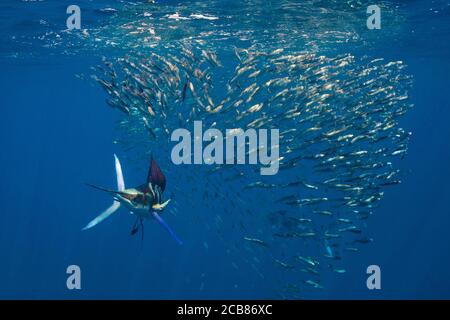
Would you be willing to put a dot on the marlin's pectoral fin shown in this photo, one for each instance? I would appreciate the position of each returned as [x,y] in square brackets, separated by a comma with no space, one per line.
[160,206]
[135,228]
[105,214]
[166,226]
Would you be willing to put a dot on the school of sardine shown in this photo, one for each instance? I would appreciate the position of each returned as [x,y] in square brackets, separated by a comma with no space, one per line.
[340,137]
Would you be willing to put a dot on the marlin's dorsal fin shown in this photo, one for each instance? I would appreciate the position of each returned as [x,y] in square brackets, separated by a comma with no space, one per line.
[155,176]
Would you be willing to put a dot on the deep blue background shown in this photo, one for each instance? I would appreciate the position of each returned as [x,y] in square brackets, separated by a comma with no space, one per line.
[56,134]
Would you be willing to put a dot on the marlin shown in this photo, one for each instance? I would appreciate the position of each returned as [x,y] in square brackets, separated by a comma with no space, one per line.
[144,201]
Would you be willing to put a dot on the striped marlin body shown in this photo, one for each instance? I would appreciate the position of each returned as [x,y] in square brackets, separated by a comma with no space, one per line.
[144,201]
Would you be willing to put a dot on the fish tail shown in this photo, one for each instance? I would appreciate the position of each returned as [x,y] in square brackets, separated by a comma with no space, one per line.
[116,204]
[105,214]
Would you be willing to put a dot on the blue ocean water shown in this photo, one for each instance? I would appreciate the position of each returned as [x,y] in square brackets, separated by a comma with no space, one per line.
[57,133]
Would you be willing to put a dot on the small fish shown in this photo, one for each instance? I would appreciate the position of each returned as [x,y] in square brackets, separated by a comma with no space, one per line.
[314,284]
[284,265]
[323,212]
[309,261]
[339,270]
[257,241]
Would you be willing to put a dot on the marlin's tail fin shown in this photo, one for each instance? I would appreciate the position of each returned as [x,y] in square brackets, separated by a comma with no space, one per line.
[116,205]
[105,214]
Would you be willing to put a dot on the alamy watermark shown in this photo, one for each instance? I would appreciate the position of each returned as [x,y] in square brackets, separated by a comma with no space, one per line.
[74,20]
[374,279]
[374,20]
[74,278]
[235,151]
